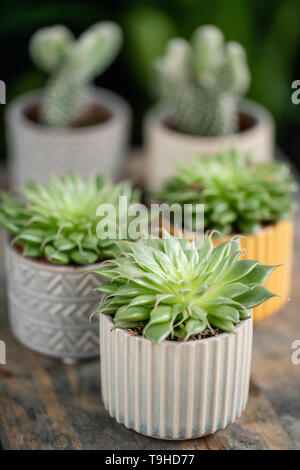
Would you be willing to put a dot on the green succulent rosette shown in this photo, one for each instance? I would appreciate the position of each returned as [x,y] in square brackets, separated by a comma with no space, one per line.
[58,222]
[175,289]
[237,197]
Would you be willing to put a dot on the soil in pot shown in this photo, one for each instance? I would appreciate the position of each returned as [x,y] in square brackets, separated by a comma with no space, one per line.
[245,123]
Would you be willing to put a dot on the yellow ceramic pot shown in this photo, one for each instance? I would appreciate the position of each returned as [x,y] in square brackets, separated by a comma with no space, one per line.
[272,245]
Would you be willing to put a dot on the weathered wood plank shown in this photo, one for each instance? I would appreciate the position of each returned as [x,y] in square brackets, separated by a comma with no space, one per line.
[273,369]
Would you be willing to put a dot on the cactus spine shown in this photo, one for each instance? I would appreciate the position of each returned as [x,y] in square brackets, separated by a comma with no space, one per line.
[73,64]
[201,82]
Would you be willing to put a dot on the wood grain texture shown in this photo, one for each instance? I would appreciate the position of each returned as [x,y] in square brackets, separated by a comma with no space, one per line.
[47,405]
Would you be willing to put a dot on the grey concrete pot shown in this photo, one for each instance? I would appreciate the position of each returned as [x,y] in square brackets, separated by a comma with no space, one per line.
[175,390]
[165,147]
[49,306]
[37,152]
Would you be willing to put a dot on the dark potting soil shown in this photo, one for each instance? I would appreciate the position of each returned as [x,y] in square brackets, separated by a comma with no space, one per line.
[245,122]
[138,331]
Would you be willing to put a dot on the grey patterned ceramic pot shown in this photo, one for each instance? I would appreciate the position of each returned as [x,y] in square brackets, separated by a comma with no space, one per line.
[165,146]
[49,306]
[36,152]
[175,390]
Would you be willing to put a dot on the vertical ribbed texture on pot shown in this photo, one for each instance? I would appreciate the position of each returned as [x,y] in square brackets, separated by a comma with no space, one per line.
[175,390]
[49,306]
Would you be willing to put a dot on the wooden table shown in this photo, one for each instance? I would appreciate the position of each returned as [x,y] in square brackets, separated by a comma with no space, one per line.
[45,404]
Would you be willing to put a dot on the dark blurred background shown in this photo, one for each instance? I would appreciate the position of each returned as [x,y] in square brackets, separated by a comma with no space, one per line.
[269,30]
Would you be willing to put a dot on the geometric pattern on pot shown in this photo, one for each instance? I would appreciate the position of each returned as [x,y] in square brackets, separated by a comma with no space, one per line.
[49,306]
[175,390]
[55,341]
[64,311]
[33,278]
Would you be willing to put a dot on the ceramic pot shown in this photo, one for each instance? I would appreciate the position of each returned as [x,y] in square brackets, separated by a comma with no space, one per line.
[36,152]
[175,390]
[165,146]
[49,306]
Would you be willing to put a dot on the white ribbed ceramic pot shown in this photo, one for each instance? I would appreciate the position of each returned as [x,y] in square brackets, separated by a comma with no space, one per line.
[165,146]
[49,306]
[36,152]
[175,390]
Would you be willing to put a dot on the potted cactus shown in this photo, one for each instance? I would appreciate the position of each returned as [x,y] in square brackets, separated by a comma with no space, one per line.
[255,201]
[201,84]
[176,335]
[69,125]
[50,253]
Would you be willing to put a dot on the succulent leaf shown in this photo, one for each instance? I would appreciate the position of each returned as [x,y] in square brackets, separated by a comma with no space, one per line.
[169,287]
[58,222]
[237,197]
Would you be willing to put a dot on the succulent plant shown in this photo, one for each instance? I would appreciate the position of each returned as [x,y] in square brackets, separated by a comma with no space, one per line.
[237,197]
[202,81]
[173,288]
[58,222]
[72,65]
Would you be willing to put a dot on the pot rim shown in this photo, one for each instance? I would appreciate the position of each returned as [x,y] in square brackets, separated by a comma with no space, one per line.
[49,267]
[220,337]
[264,229]
[115,103]
[156,115]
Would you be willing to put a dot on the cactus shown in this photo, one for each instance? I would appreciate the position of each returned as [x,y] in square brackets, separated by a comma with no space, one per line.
[202,81]
[72,64]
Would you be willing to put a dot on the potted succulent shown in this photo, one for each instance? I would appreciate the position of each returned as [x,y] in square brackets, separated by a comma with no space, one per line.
[252,200]
[50,253]
[176,334]
[69,125]
[200,84]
